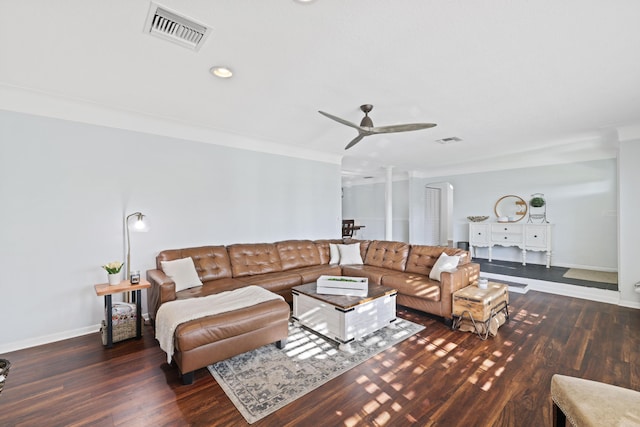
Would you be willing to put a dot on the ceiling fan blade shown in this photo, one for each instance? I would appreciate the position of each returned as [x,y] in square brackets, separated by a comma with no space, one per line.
[339,120]
[355,141]
[402,128]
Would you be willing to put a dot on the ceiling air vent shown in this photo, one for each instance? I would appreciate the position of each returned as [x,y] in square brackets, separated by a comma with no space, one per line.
[449,140]
[178,29]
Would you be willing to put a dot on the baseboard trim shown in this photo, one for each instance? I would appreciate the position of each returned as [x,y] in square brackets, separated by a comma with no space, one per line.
[48,339]
[587,267]
[582,292]
[630,304]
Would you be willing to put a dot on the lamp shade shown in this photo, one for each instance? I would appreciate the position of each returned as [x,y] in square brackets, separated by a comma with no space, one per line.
[140,224]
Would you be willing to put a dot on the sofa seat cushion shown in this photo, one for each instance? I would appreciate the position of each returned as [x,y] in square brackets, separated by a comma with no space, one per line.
[374,274]
[298,253]
[218,327]
[391,255]
[211,287]
[416,285]
[311,274]
[274,282]
[252,259]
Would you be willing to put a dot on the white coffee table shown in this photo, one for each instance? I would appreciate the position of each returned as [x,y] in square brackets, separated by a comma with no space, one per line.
[344,318]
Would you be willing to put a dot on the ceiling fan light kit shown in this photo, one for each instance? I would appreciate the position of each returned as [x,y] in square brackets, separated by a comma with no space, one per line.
[367,128]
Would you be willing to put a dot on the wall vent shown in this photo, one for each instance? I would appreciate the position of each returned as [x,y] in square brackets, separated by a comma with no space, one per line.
[173,27]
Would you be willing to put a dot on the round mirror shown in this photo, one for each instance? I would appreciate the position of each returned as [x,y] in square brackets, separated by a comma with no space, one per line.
[510,208]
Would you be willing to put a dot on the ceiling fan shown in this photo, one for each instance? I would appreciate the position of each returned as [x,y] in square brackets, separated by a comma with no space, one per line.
[367,128]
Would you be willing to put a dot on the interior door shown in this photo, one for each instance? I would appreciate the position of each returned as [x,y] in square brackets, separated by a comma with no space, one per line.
[432,219]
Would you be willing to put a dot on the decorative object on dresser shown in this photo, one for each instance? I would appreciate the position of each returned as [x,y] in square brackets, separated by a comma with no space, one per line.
[527,237]
[478,218]
[538,208]
[510,208]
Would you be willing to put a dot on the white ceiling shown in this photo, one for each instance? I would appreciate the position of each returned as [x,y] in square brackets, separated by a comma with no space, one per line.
[521,82]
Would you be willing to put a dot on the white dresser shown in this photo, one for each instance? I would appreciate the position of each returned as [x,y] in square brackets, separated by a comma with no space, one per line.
[526,236]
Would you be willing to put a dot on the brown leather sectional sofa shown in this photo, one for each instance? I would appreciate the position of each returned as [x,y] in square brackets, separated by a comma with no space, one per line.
[278,267]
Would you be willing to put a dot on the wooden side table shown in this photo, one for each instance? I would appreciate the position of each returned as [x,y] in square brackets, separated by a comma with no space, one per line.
[106,290]
[480,305]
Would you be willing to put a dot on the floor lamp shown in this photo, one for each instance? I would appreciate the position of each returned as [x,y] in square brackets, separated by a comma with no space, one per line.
[140,225]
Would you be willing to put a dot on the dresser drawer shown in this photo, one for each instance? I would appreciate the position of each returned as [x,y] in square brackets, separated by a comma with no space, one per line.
[506,228]
[503,238]
[479,234]
[536,237]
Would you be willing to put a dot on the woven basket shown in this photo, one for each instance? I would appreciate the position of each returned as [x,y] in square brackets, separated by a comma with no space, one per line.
[123,316]
[4,372]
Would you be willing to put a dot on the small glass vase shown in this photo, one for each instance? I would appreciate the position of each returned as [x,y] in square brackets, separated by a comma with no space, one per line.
[115,279]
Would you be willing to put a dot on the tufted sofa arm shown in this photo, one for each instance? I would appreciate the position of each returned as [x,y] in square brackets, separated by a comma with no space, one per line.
[451,281]
[162,289]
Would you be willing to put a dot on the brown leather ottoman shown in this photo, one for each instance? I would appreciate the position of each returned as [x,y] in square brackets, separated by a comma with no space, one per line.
[201,342]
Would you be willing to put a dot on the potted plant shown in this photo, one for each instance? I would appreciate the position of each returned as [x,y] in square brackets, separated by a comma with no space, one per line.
[113,269]
[537,202]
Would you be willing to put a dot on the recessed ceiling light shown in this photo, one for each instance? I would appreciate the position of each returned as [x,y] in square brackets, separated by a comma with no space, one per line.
[304,1]
[222,72]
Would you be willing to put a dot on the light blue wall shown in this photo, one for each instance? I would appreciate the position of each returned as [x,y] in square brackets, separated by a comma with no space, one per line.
[582,203]
[629,178]
[65,188]
[366,204]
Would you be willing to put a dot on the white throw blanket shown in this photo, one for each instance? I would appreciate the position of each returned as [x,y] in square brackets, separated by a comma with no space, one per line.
[173,313]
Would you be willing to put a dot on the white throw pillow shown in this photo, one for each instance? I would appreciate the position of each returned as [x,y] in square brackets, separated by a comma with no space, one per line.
[444,263]
[182,272]
[335,253]
[350,254]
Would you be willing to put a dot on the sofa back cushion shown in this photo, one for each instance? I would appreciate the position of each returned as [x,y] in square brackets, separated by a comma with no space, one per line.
[392,255]
[364,246]
[248,259]
[298,253]
[211,262]
[422,258]
[325,252]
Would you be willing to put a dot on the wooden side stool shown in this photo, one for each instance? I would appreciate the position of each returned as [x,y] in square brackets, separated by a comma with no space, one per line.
[480,306]
[591,403]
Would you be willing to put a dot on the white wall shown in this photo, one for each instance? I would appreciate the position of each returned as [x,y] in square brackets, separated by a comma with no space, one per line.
[629,177]
[366,204]
[582,203]
[65,188]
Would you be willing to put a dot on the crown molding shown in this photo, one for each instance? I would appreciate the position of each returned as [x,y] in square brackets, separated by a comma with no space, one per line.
[29,101]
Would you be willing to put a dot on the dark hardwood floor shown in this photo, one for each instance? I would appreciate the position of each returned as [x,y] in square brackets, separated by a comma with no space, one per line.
[438,377]
[538,272]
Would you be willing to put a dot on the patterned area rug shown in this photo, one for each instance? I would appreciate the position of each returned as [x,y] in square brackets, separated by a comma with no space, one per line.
[592,275]
[262,381]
